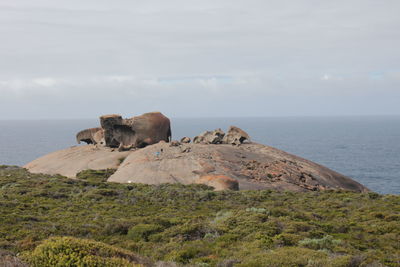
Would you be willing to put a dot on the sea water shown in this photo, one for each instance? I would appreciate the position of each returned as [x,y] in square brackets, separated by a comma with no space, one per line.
[366,149]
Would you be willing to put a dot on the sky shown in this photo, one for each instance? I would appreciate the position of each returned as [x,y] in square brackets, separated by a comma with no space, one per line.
[203,58]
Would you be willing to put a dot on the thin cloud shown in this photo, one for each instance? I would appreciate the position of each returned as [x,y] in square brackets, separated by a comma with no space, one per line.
[257,55]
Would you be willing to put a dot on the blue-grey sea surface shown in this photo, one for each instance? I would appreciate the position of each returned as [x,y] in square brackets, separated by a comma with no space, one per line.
[366,149]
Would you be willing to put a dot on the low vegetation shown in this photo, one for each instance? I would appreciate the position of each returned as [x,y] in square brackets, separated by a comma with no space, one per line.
[70,251]
[108,223]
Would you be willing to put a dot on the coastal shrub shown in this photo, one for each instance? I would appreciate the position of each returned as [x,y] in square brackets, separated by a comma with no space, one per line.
[327,242]
[285,239]
[222,216]
[95,175]
[69,251]
[8,259]
[257,210]
[373,195]
[120,228]
[191,253]
[191,224]
[143,231]
[288,256]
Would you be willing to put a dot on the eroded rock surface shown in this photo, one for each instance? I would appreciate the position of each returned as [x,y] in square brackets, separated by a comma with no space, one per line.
[186,140]
[70,161]
[91,136]
[210,137]
[235,136]
[253,166]
[126,134]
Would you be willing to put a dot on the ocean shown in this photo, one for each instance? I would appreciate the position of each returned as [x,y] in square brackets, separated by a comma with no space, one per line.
[366,149]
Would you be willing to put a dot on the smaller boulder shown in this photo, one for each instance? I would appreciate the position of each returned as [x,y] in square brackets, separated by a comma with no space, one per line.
[174,143]
[219,182]
[210,137]
[186,140]
[235,136]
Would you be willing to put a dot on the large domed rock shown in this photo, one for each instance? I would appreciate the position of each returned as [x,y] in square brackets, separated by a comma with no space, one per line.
[253,166]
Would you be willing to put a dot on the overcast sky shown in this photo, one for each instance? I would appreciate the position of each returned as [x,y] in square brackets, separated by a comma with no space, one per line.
[82,59]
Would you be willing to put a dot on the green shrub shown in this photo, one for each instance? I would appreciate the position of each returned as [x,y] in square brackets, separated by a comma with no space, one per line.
[327,242]
[95,175]
[285,239]
[143,231]
[222,216]
[257,210]
[191,223]
[189,252]
[373,195]
[288,256]
[69,251]
[120,228]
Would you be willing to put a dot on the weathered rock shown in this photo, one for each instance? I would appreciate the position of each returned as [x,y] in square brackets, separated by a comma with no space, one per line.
[235,136]
[107,123]
[99,138]
[210,137]
[136,132]
[253,166]
[175,143]
[219,182]
[91,136]
[70,161]
[186,149]
[186,140]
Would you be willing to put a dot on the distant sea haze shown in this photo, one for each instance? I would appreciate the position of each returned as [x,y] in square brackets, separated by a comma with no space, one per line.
[366,149]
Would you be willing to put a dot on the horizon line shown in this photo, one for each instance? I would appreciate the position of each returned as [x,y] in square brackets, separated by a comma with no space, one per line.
[220,117]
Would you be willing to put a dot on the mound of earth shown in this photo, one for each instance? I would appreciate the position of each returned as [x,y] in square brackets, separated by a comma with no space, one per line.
[248,166]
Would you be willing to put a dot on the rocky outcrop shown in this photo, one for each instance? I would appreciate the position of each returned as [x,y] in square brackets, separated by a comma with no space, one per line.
[186,140]
[175,143]
[126,134]
[91,136]
[210,137]
[235,136]
[251,165]
[108,123]
[223,161]
[70,161]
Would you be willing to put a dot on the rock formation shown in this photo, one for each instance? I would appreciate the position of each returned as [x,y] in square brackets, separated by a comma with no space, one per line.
[252,165]
[215,159]
[186,140]
[209,137]
[91,136]
[235,136]
[136,132]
